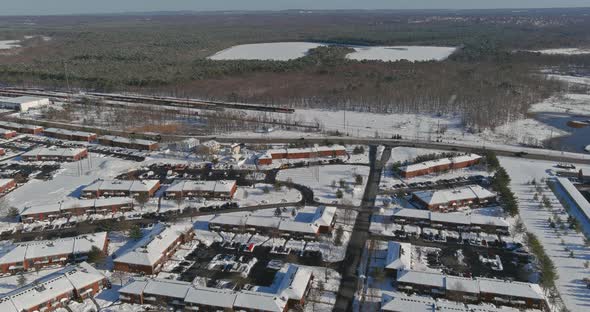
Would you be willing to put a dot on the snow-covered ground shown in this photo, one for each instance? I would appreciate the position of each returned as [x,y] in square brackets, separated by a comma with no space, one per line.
[324,181]
[9,44]
[277,51]
[570,103]
[396,53]
[68,181]
[558,243]
[564,51]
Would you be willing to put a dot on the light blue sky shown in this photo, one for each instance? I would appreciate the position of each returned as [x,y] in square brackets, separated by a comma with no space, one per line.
[44,7]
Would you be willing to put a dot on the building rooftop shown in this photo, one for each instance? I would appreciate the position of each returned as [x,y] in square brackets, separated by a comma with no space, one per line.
[441,197]
[399,256]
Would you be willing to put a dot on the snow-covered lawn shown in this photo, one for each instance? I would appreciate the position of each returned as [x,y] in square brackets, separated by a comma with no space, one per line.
[572,103]
[396,53]
[251,196]
[9,44]
[324,181]
[570,269]
[277,51]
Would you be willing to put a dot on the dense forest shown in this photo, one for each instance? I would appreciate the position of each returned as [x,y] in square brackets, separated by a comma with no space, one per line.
[487,81]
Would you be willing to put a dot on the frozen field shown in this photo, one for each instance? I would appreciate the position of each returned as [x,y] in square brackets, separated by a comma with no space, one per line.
[284,51]
[276,51]
[396,53]
[565,51]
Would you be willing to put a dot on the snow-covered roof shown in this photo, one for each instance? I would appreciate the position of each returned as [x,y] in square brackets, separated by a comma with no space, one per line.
[401,302]
[262,221]
[123,140]
[22,99]
[421,278]
[121,185]
[576,196]
[475,286]
[50,287]
[54,152]
[58,247]
[220,186]
[324,216]
[453,217]
[508,288]
[399,256]
[17,125]
[289,283]
[222,298]
[229,219]
[259,301]
[298,227]
[439,162]
[68,132]
[441,197]
[167,288]
[154,246]
[73,204]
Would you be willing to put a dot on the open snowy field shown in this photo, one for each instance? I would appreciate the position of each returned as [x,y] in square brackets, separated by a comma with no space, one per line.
[324,181]
[275,51]
[397,53]
[284,51]
[570,269]
[571,103]
[68,181]
[564,51]
[9,44]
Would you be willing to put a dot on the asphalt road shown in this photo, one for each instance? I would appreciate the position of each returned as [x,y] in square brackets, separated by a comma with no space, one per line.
[360,232]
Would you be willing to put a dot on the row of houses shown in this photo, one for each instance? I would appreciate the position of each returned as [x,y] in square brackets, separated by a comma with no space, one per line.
[7,185]
[310,221]
[64,134]
[473,290]
[579,201]
[55,290]
[7,134]
[21,128]
[457,221]
[121,188]
[221,189]
[289,289]
[400,302]
[439,165]
[55,154]
[132,143]
[152,251]
[37,254]
[452,199]
[302,153]
[77,207]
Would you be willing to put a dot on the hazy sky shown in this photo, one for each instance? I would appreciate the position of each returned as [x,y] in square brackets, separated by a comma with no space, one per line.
[43,7]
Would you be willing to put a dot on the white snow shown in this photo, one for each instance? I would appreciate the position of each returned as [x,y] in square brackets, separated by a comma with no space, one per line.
[9,44]
[396,53]
[276,51]
[320,179]
[564,51]
[570,270]
[571,103]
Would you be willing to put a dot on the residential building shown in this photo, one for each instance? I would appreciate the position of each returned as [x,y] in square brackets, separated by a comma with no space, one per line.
[55,154]
[302,153]
[399,257]
[55,290]
[309,222]
[400,302]
[289,288]
[70,135]
[451,199]
[22,128]
[507,293]
[36,254]
[221,189]
[7,134]
[131,143]
[75,208]
[580,202]
[455,221]
[439,165]
[151,252]
[6,185]
[121,188]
